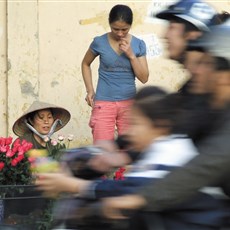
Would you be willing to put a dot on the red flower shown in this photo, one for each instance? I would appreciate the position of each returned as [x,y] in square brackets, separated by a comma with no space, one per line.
[5,141]
[4,148]
[2,164]
[14,164]
[10,153]
[2,141]
[119,174]
[8,140]
[16,160]
[16,143]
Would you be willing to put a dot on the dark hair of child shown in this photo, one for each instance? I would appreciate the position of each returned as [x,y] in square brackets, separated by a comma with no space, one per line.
[162,110]
[147,91]
[142,94]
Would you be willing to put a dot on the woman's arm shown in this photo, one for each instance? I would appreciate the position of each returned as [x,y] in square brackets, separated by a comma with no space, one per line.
[139,64]
[140,68]
[87,76]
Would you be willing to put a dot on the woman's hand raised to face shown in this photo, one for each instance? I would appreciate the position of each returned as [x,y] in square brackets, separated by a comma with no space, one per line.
[124,46]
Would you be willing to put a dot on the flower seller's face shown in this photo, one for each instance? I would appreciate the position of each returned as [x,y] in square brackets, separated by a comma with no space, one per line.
[43,121]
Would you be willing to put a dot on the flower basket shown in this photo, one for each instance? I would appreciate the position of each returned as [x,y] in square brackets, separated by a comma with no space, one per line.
[25,208]
[22,206]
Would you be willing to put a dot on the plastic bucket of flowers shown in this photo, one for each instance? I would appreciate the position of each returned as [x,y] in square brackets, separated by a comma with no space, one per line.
[22,206]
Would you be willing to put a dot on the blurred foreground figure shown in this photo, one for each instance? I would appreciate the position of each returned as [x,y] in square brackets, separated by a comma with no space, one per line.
[150,133]
[188,20]
[169,196]
[161,152]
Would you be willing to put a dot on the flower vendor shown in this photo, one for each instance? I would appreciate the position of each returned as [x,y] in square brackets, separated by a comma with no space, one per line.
[39,122]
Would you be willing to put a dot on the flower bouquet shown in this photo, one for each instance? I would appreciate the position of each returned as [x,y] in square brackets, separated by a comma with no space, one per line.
[15,171]
[58,144]
[14,162]
[47,160]
[17,183]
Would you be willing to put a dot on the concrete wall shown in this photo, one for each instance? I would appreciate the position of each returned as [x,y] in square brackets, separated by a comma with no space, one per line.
[3,69]
[43,43]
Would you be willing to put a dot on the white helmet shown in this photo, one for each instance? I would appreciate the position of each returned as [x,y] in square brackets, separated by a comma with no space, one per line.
[196,12]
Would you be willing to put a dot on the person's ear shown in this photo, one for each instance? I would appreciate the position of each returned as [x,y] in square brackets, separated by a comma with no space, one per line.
[192,35]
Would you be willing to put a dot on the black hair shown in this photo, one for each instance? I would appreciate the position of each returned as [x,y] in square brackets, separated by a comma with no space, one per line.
[188,26]
[30,116]
[121,13]
[196,48]
[160,108]
[143,93]
[221,64]
[193,45]
[148,91]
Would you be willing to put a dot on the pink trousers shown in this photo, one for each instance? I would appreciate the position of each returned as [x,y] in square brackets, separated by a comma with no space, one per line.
[107,117]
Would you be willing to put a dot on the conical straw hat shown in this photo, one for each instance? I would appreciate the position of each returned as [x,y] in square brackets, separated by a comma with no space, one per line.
[20,128]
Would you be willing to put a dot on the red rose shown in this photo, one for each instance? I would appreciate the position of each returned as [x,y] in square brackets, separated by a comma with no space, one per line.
[2,164]
[14,162]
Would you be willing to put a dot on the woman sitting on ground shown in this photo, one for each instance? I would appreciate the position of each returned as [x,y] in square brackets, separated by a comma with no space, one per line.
[39,122]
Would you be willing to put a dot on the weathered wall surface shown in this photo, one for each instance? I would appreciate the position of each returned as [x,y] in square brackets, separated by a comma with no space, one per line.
[3,69]
[43,43]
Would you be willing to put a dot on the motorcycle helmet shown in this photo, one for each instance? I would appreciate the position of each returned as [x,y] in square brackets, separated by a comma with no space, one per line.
[196,12]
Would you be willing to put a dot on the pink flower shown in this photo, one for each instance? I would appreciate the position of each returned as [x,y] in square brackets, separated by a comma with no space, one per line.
[10,153]
[9,140]
[13,155]
[54,142]
[21,150]
[17,142]
[46,139]
[16,160]
[28,146]
[3,148]
[31,159]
